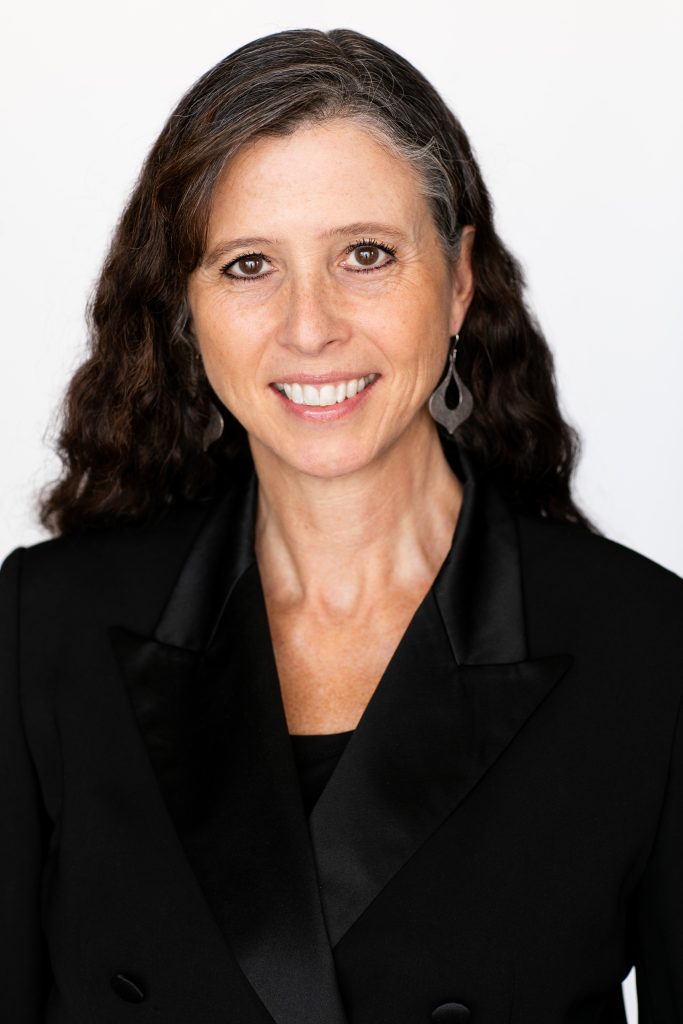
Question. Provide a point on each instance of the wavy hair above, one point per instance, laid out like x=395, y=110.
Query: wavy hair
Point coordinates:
x=136, y=411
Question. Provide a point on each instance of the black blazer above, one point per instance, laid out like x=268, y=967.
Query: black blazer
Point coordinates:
x=500, y=842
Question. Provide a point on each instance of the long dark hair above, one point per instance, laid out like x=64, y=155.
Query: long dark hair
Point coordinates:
x=136, y=410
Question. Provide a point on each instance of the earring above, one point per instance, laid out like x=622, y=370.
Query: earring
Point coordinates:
x=214, y=428
x=451, y=419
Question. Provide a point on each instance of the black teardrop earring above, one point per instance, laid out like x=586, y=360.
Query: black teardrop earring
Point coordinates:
x=451, y=419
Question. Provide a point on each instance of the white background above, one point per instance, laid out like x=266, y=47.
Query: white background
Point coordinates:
x=573, y=110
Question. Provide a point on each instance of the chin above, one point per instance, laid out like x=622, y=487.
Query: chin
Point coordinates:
x=325, y=461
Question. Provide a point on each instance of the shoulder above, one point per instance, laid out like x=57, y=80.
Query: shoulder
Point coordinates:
x=596, y=583
x=583, y=554
x=97, y=570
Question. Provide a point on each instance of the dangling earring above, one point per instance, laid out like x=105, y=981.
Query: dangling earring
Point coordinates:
x=214, y=428
x=451, y=419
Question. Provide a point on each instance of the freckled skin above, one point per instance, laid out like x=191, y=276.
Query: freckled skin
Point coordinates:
x=355, y=515
x=311, y=312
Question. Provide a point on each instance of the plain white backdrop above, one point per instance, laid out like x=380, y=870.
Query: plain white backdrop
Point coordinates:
x=573, y=110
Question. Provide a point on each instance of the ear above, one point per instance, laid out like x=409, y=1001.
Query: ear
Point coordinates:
x=462, y=280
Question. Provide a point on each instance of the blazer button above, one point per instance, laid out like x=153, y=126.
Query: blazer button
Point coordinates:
x=451, y=1013
x=128, y=988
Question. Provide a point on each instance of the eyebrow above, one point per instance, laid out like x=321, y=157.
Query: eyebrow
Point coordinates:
x=357, y=228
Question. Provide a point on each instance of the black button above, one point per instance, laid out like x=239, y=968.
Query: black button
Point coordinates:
x=128, y=988
x=451, y=1013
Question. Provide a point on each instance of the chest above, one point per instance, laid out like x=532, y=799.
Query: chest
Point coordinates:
x=329, y=670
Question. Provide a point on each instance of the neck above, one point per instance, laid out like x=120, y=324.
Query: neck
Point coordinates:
x=335, y=544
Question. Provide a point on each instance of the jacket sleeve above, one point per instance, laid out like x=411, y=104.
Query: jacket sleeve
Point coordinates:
x=23, y=961
x=659, y=906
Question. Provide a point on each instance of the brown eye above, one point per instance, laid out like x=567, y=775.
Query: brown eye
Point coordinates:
x=246, y=268
x=250, y=265
x=367, y=255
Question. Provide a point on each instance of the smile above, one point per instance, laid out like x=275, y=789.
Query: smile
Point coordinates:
x=327, y=394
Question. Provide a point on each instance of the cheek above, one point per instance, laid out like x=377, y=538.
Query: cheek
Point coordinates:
x=420, y=314
x=420, y=340
x=218, y=346
x=222, y=371
x=228, y=377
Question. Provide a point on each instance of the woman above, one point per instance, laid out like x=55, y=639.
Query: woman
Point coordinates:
x=328, y=704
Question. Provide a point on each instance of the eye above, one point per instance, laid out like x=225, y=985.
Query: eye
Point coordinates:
x=246, y=267
x=368, y=255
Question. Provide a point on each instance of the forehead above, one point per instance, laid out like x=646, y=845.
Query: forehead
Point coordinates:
x=317, y=176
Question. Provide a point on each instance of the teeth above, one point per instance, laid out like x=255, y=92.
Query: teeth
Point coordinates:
x=311, y=395
x=328, y=394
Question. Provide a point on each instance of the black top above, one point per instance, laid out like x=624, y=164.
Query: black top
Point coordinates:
x=316, y=757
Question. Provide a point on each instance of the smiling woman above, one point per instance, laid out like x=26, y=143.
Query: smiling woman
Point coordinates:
x=326, y=703
x=317, y=307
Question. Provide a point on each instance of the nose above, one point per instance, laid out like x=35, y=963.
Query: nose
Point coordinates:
x=313, y=317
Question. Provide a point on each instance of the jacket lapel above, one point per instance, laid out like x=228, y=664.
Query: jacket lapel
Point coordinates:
x=430, y=733
x=459, y=688
x=206, y=696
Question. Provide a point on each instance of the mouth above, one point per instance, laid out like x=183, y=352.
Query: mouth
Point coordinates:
x=331, y=393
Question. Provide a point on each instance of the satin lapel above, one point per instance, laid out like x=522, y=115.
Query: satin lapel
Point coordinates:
x=206, y=696
x=205, y=692
x=457, y=691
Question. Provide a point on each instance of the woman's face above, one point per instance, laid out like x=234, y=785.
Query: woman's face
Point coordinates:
x=323, y=305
